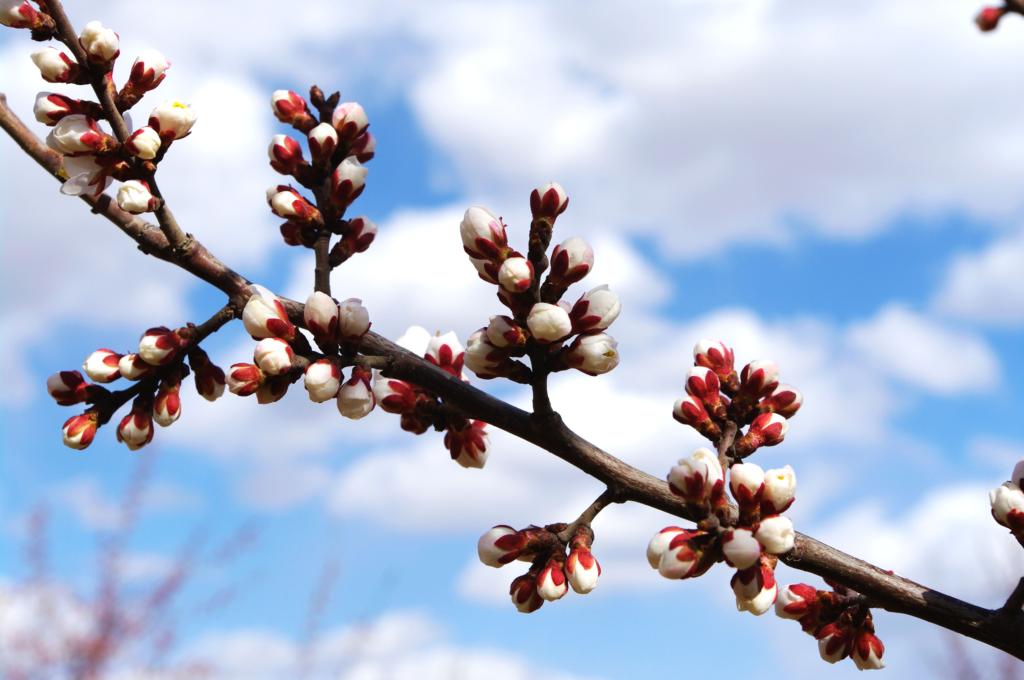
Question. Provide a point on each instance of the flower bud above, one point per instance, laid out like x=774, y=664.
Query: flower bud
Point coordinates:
x=350, y=120
x=755, y=589
x=79, y=431
x=551, y=582
x=99, y=42
x=833, y=642
x=158, y=346
x=690, y=411
x=274, y=356
x=499, y=546
x=323, y=140
x=133, y=367
x=289, y=107
x=394, y=396
x=714, y=354
x=483, y=358
x=593, y=354
x=86, y=175
x=265, y=317
x=684, y=557
x=50, y=107
x=548, y=201
x=209, y=378
x=659, y=544
x=321, y=315
x=445, y=352
x=322, y=380
x=759, y=378
x=167, y=404
x=285, y=155
x=746, y=481
x=134, y=197
x=796, y=601
x=571, y=260
x=364, y=147
x=867, y=651
x=595, y=310
x=361, y=233
x=786, y=400
x=583, y=570
x=779, y=490
x=768, y=429
x=356, y=398
x=485, y=269
x=697, y=478
x=55, y=66
x=148, y=71
x=244, y=379
x=272, y=389
x=172, y=120
x=1007, y=504
x=483, y=235
x=289, y=204
x=502, y=331
x=468, y=446
x=67, y=387
x=144, y=143
x=102, y=366
x=1017, y=477
x=776, y=534
x=353, y=320
x=524, y=594
x=740, y=548
x=19, y=14
x=136, y=429
x=548, y=323
x=78, y=134
x=703, y=383
x=516, y=274
x=989, y=17
x=347, y=181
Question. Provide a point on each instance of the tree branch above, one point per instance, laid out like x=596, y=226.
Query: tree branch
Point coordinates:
x=892, y=592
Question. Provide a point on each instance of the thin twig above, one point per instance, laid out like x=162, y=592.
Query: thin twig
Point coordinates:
x=586, y=517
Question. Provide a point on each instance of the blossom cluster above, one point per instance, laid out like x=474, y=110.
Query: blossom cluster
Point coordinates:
x=540, y=324
x=157, y=368
x=552, y=572
x=1007, y=503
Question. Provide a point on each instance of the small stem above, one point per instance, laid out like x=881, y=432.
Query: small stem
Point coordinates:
x=539, y=382
x=1015, y=602
x=587, y=516
x=725, y=443
x=178, y=239
x=214, y=323
x=322, y=272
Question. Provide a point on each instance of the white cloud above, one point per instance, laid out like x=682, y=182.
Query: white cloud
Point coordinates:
x=95, y=509
x=987, y=286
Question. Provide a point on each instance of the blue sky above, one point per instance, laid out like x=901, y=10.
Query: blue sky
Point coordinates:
x=832, y=186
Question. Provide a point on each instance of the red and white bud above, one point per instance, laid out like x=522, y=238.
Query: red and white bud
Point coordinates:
x=755, y=589
x=698, y=477
x=67, y=387
x=209, y=378
x=350, y=120
x=133, y=367
x=172, y=119
x=144, y=143
x=759, y=378
x=446, y=352
x=356, y=398
x=353, y=320
x=659, y=544
x=746, y=481
x=1017, y=477
x=265, y=317
x=485, y=269
x=99, y=42
x=716, y=355
x=394, y=396
x=167, y=404
x=548, y=323
x=571, y=260
x=364, y=148
x=776, y=534
x=274, y=356
x=468, y=446
x=768, y=429
x=289, y=107
x=321, y=315
x=499, y=546
x=322, y=380
x=134, y=197
x=740, y=548
x=102, y=366
x=483, y=235
x=796, y=601
x=285, y=154
x=158, y=346
x=779, y=490
x=481, y=356
x=347, y=181
x=989, y=17
x=786, y=400
x=77, y=134
x=583, y=570
x=289, y=204
x=703, y=383
x=136, y=429
x=244, y=379
x=55, y=66
x=516, y=274
x=272, y=389
x=690, y=411
x=524, y=594
x=503, y=331
x=361, y=233
x=593, y=354
x=85, y=175
x=548, y=201
x=867, y=651
x=682, y=558
x=833, y=642
x=1007, y=503
x=50, y=107
x=148, y=71
x=323, y=140
x=596, y=310
x=79, y=431
x=551, y=582
x=19, y=14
